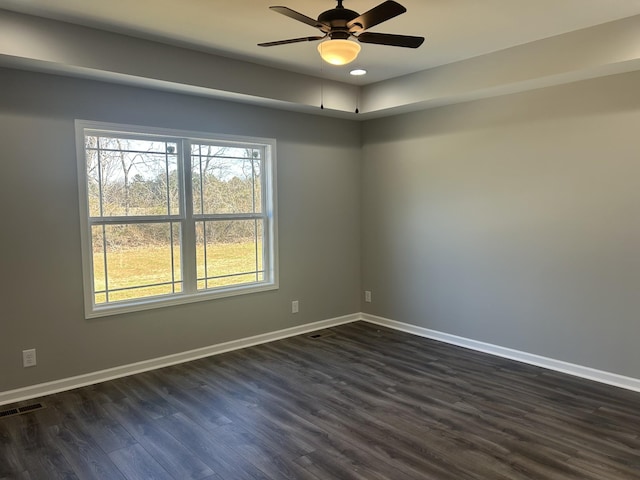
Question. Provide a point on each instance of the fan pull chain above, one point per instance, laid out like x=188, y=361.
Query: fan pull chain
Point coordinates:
x=321, y=86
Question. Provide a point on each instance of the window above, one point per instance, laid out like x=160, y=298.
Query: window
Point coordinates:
x=171, y=217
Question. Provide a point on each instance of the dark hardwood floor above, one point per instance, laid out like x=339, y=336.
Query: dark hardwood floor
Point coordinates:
x=362, y=402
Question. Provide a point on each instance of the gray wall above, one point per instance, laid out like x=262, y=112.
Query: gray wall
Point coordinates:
x=41, y=297
x=512, y=220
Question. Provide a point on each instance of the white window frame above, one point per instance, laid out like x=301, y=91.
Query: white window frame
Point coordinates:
x=186, y=217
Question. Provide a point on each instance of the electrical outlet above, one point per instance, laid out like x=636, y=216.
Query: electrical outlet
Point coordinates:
x=294, y=306
x=29, y=358
x=367, y=296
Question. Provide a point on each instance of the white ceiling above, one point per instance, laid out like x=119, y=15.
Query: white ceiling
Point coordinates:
x=454, y=29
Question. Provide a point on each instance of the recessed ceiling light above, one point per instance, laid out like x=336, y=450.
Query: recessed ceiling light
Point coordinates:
x=358, y=71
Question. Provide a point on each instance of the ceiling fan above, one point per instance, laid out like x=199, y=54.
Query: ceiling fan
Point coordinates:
x=339, y=24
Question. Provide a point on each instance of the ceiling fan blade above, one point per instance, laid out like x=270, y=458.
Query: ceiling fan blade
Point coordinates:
x=376, y=15
x=286, y=11
x=293, y=40
x=389, y=39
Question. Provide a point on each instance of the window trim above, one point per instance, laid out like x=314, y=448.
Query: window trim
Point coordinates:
x=270, y=261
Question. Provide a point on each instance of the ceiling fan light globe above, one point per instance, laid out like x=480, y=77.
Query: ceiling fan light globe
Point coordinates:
x=339, y=52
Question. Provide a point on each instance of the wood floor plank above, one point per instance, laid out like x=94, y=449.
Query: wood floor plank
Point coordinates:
x=176, y=459
x=11, y=461
x=82, y=405
x=189, y=401
x=136, y=464
x=39, y=451
x=212, y=449
x=360, y=402
x=87, y=459
x=266, y=457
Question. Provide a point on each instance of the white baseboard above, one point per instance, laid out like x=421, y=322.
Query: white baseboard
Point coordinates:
x=70, y=383
x=608, y=378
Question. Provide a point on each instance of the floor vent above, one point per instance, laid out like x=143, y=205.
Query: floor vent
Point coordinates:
x=321, y=334
x=20, y=410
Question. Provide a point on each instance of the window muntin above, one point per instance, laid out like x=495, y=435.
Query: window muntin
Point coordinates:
x=172, y=217
x=222, y=259
x=131, y=177
x=238, y=169
x=126, y=269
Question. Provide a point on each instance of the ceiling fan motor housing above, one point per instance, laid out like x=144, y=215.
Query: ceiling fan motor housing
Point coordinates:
x=337, y=19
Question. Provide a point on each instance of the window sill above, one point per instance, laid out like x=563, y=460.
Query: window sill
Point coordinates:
x=118, y=308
